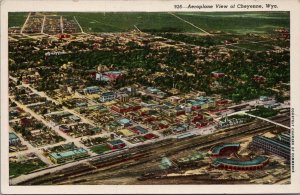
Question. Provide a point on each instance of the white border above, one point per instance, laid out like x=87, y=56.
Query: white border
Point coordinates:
x=143, y=6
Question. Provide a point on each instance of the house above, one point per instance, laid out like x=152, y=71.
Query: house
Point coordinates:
x=74, y=118
x=174, y=99
x=107, y=96
x=13, y=139
x=217, y=74
x=64, y=128
x=25, y=122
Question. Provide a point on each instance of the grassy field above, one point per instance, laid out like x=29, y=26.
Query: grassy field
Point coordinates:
x=16, y=169
x=234, y=22
x=100, y=149
x=264, y=112
x=238, y=22
x=16, y=18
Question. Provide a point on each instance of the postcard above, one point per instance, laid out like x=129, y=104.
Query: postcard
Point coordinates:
x=137, y=96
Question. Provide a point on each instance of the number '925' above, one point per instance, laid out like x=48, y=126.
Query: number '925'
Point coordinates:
x=177, y=6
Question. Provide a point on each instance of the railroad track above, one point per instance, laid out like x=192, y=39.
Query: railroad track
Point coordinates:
x=138, y=156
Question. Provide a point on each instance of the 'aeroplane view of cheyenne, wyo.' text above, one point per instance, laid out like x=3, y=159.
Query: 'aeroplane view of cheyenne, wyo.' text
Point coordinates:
x=102, y=98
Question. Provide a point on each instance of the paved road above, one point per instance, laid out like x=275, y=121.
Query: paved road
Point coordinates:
x=30, y=149
x=43, y=24
x=24, y=25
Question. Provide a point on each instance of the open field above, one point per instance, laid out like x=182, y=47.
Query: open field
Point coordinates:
x=17, y=169
x=16, y=19
x=100, y=149
x=236, y=23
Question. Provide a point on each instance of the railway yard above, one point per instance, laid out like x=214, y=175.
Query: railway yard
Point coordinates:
x=142, y=164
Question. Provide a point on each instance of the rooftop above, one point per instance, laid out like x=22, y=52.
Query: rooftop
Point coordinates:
x=273, y=141
x=140, y=129
x=216, y=149
x=256, y=161
x=66, y=154
x=12, y=136
x=126, y=132
x=108, y=93
x=116, y=142
x=124, y=121
x=93, y=88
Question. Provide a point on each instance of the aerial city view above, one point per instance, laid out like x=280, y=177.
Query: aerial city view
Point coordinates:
x=144, y=98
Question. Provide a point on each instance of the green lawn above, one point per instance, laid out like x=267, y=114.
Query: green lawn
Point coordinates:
x=238, y=22
x=16, y=18
x=234, y=22
x=264, y=112
x=16, y=169
x=100, y=148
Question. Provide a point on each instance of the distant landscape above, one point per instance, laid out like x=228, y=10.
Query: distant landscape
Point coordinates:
x=236, y=22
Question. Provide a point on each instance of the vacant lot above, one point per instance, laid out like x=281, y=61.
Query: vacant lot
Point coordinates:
x=100, y=149
x=20, y=168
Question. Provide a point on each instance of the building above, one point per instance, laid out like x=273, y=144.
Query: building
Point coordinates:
x=150, y=136
x=126, y=132
x=123, y=97
x=139, y=130
x=285, y=138
x=156, y=92
x=61, y=157
x=75, y=118
x=217, y=74
x=25, y=122
x=174, y=99
x=107, y=96
x=91, y=90
x=235, y=164
x=259, y=78
x=108, y=76
x=116, y=144
x=272, y=145
x=95, y=130
x=202, y=102
x=129, y=90
x=13, y=139
x=263, y=98
x=126, y=107
x=64, y=128
x=124, y=122
x=180, y=128
x=224, y=149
